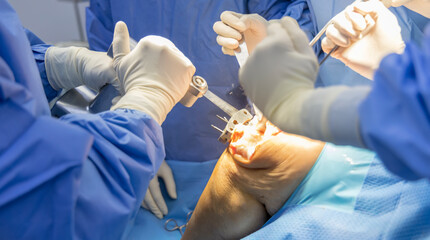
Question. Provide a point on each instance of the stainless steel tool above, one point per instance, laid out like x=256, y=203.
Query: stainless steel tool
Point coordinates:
x=236, y=116
x=198, y=88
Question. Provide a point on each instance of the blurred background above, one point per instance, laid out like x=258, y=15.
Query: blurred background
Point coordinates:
x=58, y=22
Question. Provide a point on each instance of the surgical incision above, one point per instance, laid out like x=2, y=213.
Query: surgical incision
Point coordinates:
x=247, y=137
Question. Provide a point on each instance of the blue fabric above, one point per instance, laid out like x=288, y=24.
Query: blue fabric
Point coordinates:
x=395, y=117
x=370, y=204
x=333, y=71
x=188, y=24
x=386, y=208
x=81, y=177
x=190, y=179
x=335, y=180
x=39, y=49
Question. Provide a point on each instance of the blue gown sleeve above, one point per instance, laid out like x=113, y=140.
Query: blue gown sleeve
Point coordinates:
x=395, y=117
x=39, y=49
x=40, y=164
x=127, y=151
x=81, y=177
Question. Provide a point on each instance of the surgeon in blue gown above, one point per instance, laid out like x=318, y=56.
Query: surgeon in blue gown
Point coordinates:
x=79, y=177
x=188, y=24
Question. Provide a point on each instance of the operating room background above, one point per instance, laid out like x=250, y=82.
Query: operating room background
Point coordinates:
x=54, y=21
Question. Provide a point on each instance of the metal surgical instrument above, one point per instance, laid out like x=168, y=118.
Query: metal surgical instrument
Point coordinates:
x=198, y=88
x=236, y=116
x=174, y=226
x=318, y=37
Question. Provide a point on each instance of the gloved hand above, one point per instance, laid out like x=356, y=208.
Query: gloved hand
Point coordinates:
x=71, y=67
x=155, y=75
x=280, y=74
x=233, y=25
x=365, y=33
x=420, y=6
x=154, y=200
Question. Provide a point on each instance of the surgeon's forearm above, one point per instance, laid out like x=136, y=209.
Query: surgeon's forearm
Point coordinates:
x=331, y=114
x=224, y=210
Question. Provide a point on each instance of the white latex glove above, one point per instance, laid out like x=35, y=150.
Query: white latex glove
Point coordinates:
x=233, y=25
x=155, y=75
x=154, y=200
x=365, y=33
x=420, y=6
x=71, y=67
x=280, y=74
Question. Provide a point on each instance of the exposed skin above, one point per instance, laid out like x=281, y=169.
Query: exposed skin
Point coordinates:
x=242, y=194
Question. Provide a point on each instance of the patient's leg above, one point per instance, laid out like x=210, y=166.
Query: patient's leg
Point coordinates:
x=224, y=210
x=243, y=193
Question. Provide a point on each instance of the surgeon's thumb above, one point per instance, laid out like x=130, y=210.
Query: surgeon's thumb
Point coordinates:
x=121, y=42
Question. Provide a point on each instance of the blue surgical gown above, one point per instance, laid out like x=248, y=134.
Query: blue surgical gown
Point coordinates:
x=188, y=24
x=395, y=117
x=79, y=177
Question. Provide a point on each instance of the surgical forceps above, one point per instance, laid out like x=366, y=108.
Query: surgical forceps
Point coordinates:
x=175, y=226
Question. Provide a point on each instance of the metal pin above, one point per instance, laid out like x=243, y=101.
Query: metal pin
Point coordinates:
x=216, y=128
x=328, y=54
x=222, y=118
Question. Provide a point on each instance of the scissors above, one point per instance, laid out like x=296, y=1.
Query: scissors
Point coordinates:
x=171, y=224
